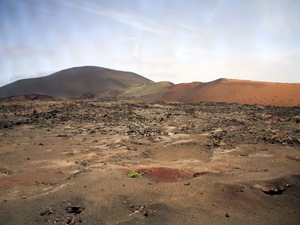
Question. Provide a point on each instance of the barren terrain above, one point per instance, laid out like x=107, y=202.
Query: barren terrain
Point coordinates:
x=98, y=83
x=234, y=91
x=67, y=162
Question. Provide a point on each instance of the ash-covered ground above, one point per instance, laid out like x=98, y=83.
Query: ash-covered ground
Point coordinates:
x=67, y=162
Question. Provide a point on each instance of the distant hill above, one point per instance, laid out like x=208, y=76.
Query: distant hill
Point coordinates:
x=87, y=81
x=234, y=91
x=76, y=81
x=146, y=89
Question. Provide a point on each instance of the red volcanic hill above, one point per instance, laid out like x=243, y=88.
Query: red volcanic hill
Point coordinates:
x=234, y=91
x=102, y=82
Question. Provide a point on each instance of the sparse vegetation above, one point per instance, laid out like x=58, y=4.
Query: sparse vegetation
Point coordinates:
x=42, y=122
x=250, y=124
x=134, y=174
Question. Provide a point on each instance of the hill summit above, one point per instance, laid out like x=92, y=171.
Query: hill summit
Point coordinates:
x=76, y=81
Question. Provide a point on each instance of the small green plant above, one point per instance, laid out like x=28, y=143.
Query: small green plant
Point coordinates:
x=261, y=121
x=42, y=122
x=48, y=121
x=250, y=124
x=134, y=174
x=78, y=143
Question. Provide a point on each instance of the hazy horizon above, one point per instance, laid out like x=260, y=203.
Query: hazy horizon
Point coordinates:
x=177, y=41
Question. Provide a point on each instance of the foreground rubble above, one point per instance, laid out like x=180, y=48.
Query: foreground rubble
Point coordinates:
x=67, y=162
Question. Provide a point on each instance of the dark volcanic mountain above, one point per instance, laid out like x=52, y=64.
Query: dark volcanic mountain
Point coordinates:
x=76, y=81
x=84, y=82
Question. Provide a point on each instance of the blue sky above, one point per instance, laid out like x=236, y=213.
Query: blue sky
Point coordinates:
x=174, y=40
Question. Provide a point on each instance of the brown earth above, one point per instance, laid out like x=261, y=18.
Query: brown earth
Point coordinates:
x=234, y=91
x=67, y=162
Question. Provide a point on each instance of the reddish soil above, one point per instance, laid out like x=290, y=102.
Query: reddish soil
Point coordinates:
x=10, y=181
x=235, y=91
x=163, y=174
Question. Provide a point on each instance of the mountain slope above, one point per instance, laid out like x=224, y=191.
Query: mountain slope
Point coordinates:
x=146, y=89
x=235, y=91
x=76, y=81
x=102, y=82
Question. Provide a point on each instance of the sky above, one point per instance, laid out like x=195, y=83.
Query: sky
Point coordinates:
x=162, y=40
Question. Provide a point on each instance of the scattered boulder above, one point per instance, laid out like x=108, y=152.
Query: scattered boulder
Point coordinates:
x=74, y=209
x=87, y=95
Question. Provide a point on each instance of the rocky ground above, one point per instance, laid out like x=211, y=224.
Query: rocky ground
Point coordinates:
x=126, y=162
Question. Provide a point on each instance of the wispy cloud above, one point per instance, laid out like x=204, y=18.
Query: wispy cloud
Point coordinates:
x=187, y=27
x=22, y=51
x=9, y=50
x=215, y=10
x=135, y=21
x=282, y=19
x=200, y=51
x=283, y=57
x=127, y=38
x=135, y=42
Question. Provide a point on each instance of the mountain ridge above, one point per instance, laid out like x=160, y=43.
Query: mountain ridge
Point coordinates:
x=104, y=82
x=74, y=82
